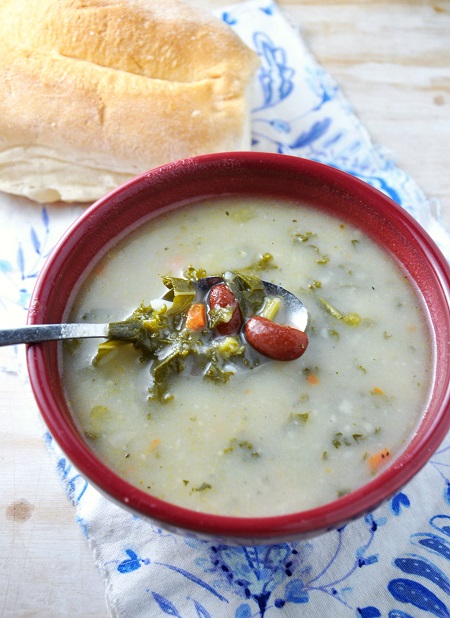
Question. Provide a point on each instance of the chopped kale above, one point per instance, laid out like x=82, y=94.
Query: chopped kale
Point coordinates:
x=351, y=319
x=249, y=292
x=202, y=487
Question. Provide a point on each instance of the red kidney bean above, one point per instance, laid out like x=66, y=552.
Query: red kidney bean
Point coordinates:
x=276, y=341
x=221, y=296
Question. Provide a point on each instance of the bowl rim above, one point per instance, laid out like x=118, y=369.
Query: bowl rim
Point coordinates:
x=259, y=529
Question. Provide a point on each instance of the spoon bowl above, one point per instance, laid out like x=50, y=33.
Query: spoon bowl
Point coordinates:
x=294, y=311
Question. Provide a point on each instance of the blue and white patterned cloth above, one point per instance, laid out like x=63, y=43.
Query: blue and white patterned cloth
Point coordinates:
x=392, y=563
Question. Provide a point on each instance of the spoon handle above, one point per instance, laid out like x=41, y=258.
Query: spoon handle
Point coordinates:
x=50, y=332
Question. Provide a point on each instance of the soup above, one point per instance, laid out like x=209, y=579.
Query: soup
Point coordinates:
x=277, y=438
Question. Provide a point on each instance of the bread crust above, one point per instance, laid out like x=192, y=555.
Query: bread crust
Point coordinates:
x=105, y=89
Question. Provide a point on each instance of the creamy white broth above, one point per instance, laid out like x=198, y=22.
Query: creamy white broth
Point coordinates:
x=280, y=438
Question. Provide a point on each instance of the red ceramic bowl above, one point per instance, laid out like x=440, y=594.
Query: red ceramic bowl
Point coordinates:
x=247, y=174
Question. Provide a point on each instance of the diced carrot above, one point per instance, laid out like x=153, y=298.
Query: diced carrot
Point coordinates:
x=312, y=379
x=153, y=445
x=196, y=317
x=377, y=391
x=379, y=459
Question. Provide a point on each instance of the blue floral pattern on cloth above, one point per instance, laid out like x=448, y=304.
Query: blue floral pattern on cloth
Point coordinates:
x=393, y=562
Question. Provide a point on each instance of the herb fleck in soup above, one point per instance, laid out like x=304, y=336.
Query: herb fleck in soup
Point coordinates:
x=282, y=437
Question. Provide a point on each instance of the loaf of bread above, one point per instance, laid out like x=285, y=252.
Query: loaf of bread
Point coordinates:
x=93, y=92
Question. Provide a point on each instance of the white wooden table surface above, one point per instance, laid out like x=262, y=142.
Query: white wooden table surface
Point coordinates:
x=392, y=59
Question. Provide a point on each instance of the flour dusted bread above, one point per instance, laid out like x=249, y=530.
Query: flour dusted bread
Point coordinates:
x=93, y=92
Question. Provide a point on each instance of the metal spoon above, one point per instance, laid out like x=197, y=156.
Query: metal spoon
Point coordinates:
x=296, y=315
